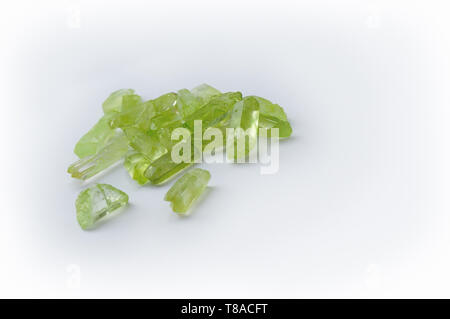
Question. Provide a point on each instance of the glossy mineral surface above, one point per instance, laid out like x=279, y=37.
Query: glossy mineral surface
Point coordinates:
x=91, y=165
x=187, y=189
x=98, y=201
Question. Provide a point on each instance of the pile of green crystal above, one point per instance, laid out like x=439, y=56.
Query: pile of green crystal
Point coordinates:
x=140, y=132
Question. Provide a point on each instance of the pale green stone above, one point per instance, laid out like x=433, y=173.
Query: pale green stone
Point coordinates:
x=96, y=202
x=146, y=143
x=245, y=116
x=163, y=169
x=97, y=137
x=91, y=165
x=187, y=189
x=114, y=101
x=136, y=164
x=205, y=92
x=273, y=116
x=138, y=115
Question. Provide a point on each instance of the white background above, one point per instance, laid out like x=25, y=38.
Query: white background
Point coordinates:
x=359, y=207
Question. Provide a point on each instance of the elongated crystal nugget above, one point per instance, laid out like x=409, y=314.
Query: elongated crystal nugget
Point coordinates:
x=164, y=168
x=273, y=116
x=94, y=164
x=98, y=201
x=187, y=189
x=245, y=117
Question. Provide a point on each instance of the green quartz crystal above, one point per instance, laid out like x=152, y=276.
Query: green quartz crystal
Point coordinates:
x=187, y=189
x=136, y=164
x=146, y=143
x=97, y=137
x=163, y=169
x=91, y=165
x=170, y=118
x=273, y=116
x=96, y=202
x=114, y=102
x=137, y=114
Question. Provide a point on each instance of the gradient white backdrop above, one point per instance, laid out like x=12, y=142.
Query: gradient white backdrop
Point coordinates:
x=359, y=207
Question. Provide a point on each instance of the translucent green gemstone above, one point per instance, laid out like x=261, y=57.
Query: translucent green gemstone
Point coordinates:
x=163, y=169
x=245, y=115
x=114, y=102
x=96, y=202
x=205, y=92
x=91, y=165
x=136, y=164
x=97, y=137
x=169, y=118
x=187, y=189
x=146, y=143
x=216, y=112
x=273, y=116
x=138, y=115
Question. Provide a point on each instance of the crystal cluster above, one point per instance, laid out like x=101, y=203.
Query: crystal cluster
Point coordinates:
x=139, y=131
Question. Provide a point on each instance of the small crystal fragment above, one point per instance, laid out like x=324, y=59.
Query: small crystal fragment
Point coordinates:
x=98, y=201
x=187, y=189
x=114, y=102
x=105, y=157
x=95, y=139
x=273, y=116
x=136, y=164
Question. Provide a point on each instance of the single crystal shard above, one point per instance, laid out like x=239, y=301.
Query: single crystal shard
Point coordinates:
x=187, y=189
x=136, y=164
x=91, y=165
x=96, y=202
x=163, y=169
x=273, y=116
x=244, y=119
x=114, y=102
x=97, y=137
